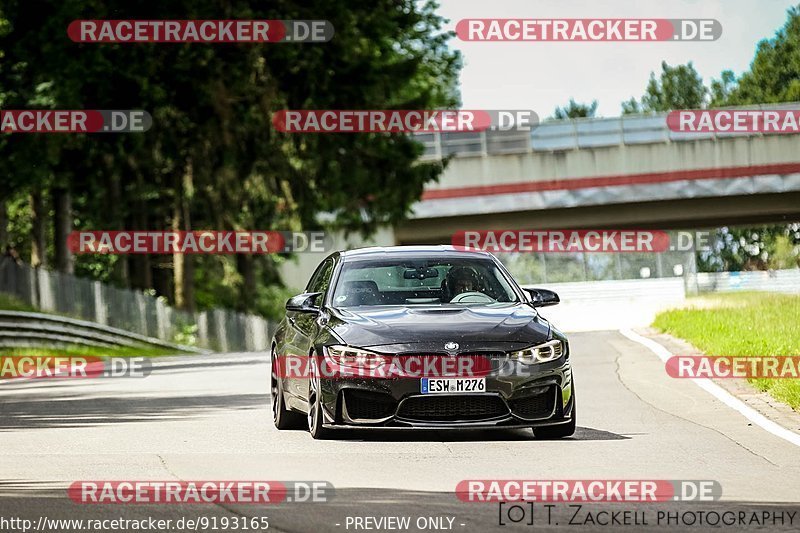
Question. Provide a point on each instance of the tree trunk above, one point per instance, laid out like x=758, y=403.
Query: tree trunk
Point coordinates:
x=38, y=250
x=183, y=266
x=62, y=226
x=3, y=225
x=121, y=273
x=245, y=264
x=161, y=276
x=141, y=264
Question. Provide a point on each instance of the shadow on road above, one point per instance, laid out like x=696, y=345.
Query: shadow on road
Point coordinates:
x=489, y=435
x=63, y=411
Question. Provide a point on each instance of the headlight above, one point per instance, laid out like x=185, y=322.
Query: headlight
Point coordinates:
x=542, y=353
x=353, y=357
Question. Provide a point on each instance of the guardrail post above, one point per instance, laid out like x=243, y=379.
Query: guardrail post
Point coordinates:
x=142, y=312
x=33, y=286
x=222, y=330
x=258, y=332
x=162, y=320
x=202, y=329
x=100, y=310
x=46, y=301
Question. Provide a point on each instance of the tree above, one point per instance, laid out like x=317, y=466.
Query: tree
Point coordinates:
x=679, y=87
x=760, y=248
x=774, y=74
x=575, y=110
x=773, y=77
x=212, y=159
x=722, y=88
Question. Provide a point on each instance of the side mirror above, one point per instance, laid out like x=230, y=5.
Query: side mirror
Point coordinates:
x=304, y=303
x=542, y=297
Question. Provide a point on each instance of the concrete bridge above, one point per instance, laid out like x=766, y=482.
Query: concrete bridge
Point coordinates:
x=629, y=171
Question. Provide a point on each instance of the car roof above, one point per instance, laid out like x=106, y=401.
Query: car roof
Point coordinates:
x=390, y=252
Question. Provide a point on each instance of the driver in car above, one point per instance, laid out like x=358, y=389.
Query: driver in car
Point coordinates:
x=461, y=279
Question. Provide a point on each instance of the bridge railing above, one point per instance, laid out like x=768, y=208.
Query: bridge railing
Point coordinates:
x=572, y=134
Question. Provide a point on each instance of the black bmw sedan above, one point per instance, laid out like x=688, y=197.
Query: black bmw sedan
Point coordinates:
x=422, y=337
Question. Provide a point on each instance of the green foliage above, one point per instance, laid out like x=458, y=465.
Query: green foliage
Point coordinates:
x=271, y=300
x=774, y=74
x=722, y=88
x=89, y=351
x=755, y=248
x=773, y=77
x=10, y=303
x=212, y=158
x=678, y=87
x=187, y=335
x=575, y=110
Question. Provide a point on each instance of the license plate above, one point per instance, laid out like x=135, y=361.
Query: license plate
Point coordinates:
x=442, y=385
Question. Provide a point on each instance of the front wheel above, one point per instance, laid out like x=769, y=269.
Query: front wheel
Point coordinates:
x=315, y=417
x=282, y=417
x=560, y=431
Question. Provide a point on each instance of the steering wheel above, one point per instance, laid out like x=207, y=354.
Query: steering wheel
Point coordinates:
x=471, y=297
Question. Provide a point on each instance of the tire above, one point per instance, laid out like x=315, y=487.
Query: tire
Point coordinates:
x=560, y=431
x=315, y=418
x=282, y=417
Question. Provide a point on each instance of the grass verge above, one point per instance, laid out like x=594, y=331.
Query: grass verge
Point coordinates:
x=743, y=324
x=10, y=303
x=73, y=351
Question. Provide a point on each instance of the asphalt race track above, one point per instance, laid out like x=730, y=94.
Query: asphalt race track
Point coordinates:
x=208, y=418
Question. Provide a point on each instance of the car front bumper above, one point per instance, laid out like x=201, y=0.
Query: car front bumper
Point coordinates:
x=541, y=398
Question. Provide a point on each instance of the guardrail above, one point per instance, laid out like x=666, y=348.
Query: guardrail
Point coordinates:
x=786, y=281
x=656, y=289
x=571, y=134
x=26, y=329
x=130, y=310
x=675, y=288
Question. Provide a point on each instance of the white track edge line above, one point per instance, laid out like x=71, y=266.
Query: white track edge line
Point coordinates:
x=719, y=393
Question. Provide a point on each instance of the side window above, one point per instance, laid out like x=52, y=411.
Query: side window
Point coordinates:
x=321, y=279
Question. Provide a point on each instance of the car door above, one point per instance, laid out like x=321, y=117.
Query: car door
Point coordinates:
x=303, y=328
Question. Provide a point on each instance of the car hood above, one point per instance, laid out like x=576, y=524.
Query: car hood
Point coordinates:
x=414, y=328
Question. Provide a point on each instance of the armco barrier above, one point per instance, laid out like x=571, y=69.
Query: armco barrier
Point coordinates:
x=786, y=281
x=24, y=329
x=130, y=310
x=656, y=289
x=676, y=288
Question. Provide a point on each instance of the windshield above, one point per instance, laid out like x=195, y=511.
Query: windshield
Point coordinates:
x=469, y=281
